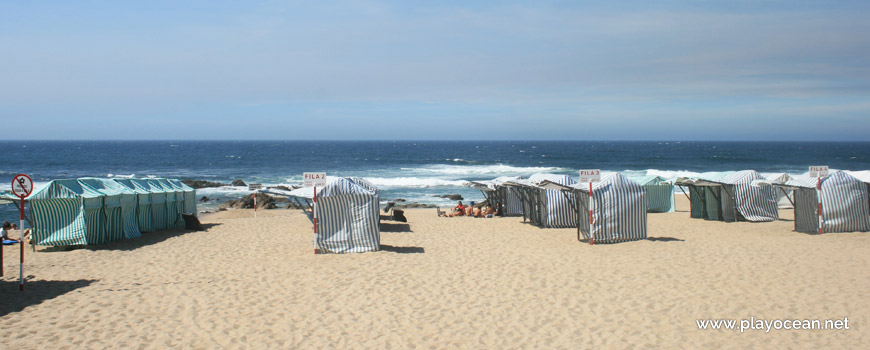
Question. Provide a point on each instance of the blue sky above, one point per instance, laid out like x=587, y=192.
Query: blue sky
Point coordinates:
x=573, y=70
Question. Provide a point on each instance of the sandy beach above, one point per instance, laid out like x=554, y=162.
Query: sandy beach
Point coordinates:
x=440, y=283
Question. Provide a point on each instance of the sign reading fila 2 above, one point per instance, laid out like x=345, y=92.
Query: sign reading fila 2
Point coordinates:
x=314, y=179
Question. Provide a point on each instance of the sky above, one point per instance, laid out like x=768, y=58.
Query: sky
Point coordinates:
x=435, y=70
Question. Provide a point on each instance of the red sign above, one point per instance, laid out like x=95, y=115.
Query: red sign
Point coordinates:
x=22, y=185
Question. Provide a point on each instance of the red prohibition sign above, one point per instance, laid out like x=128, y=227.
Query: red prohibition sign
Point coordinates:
x=22, y=185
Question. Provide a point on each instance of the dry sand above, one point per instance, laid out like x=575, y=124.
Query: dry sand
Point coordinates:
x=440, y=283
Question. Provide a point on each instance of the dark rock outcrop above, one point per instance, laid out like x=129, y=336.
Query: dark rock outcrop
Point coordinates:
x=196, y=184
x=239, y=182
x=264, y=201
x=453, y=197
x=204, y=199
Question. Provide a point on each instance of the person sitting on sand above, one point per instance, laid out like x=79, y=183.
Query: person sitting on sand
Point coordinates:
x=458, y=210
x=4, y=232
x=477, y=212
x=489, y=212
x=469, y=210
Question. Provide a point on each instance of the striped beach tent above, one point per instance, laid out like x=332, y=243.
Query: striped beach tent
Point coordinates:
x=659, y=193
x=143, y=198
x=158, y=203
x=189, y=194
x=497, y=193
x=347, y=215
x=731, y=196
x=66, y=213
x=844, y=203
x=546, y=208
x=174, y=203
x=619, y=208
x=119, y=207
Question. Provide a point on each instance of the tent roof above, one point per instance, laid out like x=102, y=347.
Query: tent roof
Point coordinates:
x=606, y=180
x=863, y=175
x=649, y=180
x=105, y=186
x=336, y=187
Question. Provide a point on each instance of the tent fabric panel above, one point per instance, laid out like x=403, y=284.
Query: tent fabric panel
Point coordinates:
x=696, y=202
x=806, y=210
x=757, y=203
x=58, y=222
x=660, y=198
x=712, y=202
x=559, y=213
x=348, y=223
x=620, y=211
x=728, y=203
x=843, y=204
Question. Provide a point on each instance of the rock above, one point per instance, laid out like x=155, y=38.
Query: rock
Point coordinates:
x=239, y=182
x=453, y=197
x=196, y=184
x=399, y=200
x=263, y=201
x=292, y=205
x=204, y=199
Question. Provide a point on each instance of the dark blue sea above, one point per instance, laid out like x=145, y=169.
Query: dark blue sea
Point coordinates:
x=414, y=171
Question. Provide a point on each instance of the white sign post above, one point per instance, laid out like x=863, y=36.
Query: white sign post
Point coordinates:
x=590, y=176
x=22, y=186
x=309, y=180
x=819, y=172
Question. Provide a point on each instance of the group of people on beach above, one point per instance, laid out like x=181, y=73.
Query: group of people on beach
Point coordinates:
x=471, y=210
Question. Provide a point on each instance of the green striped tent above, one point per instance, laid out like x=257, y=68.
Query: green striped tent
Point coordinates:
x=158, y=203
x=143, y=198
x=659, y=193
x=122, y=214
x=174, y=204
x=66, y=213
x=114, y=224
x=189, y=206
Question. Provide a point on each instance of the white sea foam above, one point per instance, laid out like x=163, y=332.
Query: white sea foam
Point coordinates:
x=413, y=182
x=478, y=170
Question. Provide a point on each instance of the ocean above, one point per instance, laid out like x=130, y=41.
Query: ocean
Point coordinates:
x=416, y=171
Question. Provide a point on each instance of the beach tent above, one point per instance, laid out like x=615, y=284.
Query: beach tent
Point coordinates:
x=143, y=198
x=174, y=203
x=158, y=203
x=347, y=215
x=496, y=192
x=619, y=208
x=864, y=176
x=784, y=196
x=546, y=208
x=120, y=207
x=844, y=203
x=659, y=193
x=66, y=213
x=731, y=196
x=189, y=194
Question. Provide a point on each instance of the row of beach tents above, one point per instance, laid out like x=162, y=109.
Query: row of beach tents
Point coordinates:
x=614, y=209
x=88, y=211
x=611, y=210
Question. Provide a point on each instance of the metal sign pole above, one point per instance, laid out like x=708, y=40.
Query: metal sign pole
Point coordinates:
x=315, y=219
x=21, y=245
x=591, y=227
x=821, y=218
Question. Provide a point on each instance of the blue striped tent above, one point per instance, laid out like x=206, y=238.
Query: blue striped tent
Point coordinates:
x=120, y=207
x=844, y=203
x=659, y=193
x=66, y=213
x=143, y=198
x=174, y=203
x=731, y=196
x=619, y=208
x=347, y=215
x=497, y=193
x=546, y=208
x=189, y=194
